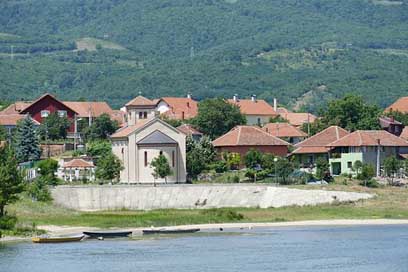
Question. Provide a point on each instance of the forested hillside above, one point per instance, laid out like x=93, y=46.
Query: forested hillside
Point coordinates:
x=302, y=52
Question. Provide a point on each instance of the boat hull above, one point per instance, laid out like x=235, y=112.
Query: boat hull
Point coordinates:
x=44, y=240
x=167, y=231
x=116, y=234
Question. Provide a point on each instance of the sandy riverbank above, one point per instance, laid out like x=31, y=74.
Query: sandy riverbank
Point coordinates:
x=67, y=230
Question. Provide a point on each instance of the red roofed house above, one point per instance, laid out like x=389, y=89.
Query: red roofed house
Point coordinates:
x=241, y=139
x=77, y=169
x=401, y=105
x=367, y=146
x=391, y=125
x=308, y=151
x=9, y=121
x=297, y=119
x=143, y=139
x=190, y=131
x=257, y=111
x=286, y=132
x=181, y=108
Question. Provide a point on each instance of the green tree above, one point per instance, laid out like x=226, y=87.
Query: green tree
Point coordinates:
x=352, y=113
x=199, y=155
x=48, y=168
x=98, y=148
x=3, y=133
x=253, y=158
x=216, y=117
x=278, y=119
x=54, y=127
x=357, y=166
x=26, y=142
x=284, y=168
x=268, y=161
x=171, y=122
x=11, y=180
x=101, y=128
x=322, y=169
x=108, y=167
x=391, y=167
x=38, y=189
x=161, y=167
x=367, y=173
x=399, y=116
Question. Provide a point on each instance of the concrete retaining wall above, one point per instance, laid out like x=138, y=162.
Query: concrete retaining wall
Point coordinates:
x=94, y=198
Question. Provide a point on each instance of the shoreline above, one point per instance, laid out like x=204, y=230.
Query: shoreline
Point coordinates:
x=67, y=230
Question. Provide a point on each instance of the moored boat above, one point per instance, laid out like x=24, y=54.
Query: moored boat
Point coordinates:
x=46, y=239
x=107, y=234
x=169, y=231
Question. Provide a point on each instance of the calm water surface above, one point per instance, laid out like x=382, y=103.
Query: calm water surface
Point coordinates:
x=375, y=248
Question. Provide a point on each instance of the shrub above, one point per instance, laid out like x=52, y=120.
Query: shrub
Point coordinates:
x=371, y=183
x=223, y=214
x=235, y=179
x=38, y=189
x=7, y=222
x=220, y=166
x=253, y=158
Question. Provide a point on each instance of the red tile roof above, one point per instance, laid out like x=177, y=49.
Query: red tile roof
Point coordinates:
x=189, y=130
x=16, y=107
x=118, y=115
x=369, y=138
x=283, y=130
x=12, y=119
x=248, y=136
x=257, y=107
x=181, y=107
x=318, y=142
x=84, y=109
x=78, y=163
x=298, y=118
x=141, y=102
x=404, y=134
x=400, y=105
x=126, y=131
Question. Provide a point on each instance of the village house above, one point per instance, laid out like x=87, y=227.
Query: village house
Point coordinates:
x=190, y=131
x=9, y=121
x=76, y=169
x=257, y=111
x=286, y=132
x=307, y=152
x=401, y=105
x=143, y=139
x=367, y=146
x=180, y=108
x=241, y=139
x=391, y=125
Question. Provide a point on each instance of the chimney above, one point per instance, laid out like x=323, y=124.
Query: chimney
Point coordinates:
x=235, y=97
x=188, y=104
x=189, y=95
x=275, y=104
x=253, y=98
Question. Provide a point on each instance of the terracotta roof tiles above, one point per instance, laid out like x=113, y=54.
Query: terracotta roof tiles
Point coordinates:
x=369, y=138
x=84, y=109
x=127, y=130
x=283, y=130
x=141, y=102
x=78, y=163
x=298, y=118
x=181, y=107
x=257, y=107
x=248, y=136
x=189, y=130
x=400, y=105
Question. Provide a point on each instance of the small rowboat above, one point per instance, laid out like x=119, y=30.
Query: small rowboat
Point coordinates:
x=107, y=234
x=169, y=231
x=45, y=239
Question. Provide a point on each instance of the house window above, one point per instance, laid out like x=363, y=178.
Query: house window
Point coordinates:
x=45, y=113
x=62, y=113
x=173, y=157
x=161, y=152
x=145, y=115
x=349, y=164
x=140, y=115
x=259, y=121
x=145, y=158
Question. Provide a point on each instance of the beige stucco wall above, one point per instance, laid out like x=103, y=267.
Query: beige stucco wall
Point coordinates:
x=253, y=119
x=134, y=171
x=133, y=114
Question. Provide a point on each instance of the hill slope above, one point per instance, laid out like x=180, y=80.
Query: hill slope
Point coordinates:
x=301, y=52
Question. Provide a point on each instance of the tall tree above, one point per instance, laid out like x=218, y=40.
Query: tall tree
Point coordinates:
x=199, y=155
x=161, y=167
x=216, y=117
x=352, y=113
x=108, y=167
x=54, y=127
x=11, y=180
x=26, y=143
x=101, y=128
x=3, y=133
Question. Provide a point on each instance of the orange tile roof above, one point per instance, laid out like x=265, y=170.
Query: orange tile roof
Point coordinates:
x=12, y=119
x=127, y=130
x=84, y=108
x=404, y=134
x=369, y=138
x=118, y=115
x=78, y=163
x=283, y=130
x=257, y=107
x=400, y=105
x=16, y=107
x=280, y=110
x=298, y=118
x=248, y=136
x=189, y=130
x=180, y=105
x=318, y=142
x=141, y=102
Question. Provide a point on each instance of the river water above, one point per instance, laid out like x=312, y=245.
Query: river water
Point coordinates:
x=357, y=248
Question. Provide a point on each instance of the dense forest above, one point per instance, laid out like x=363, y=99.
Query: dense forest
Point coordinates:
x=302, y=52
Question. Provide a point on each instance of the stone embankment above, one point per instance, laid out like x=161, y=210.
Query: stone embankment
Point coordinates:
x=95, y=198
